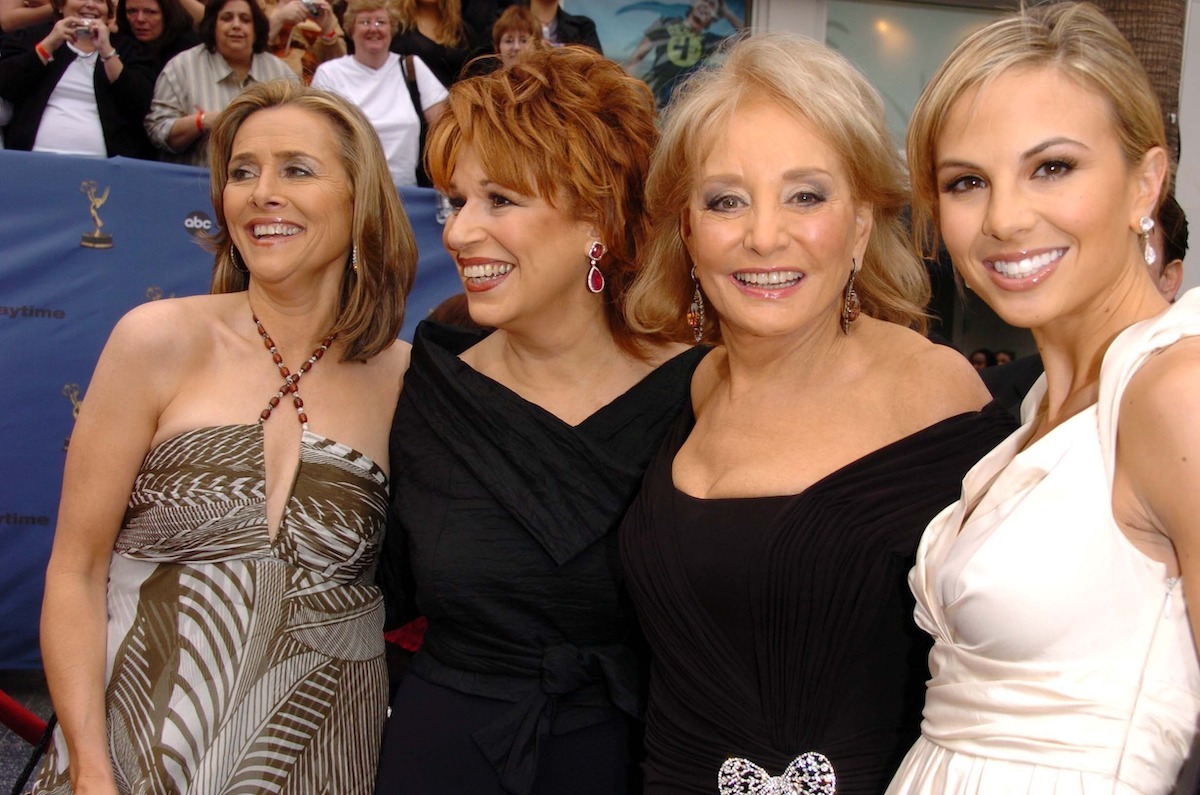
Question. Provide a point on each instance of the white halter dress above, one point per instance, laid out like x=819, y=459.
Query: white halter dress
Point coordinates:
x=1063, y=660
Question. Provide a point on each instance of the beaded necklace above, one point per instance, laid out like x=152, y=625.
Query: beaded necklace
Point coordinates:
x=291, y=383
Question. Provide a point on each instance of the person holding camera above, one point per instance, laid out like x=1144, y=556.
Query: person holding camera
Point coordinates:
x=196, y=85
x=305, y=33
x=75, y=88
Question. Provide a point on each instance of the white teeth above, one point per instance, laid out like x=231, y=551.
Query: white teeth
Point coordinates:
x=1027, y=266
x=492, y=269
x=271, y=230
x=769, y=278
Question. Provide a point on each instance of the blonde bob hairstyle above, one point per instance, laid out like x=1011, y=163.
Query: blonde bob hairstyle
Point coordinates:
x=356, y=7
x=1074, y=38
x=568, y=125
x=823, y=90
x=370, y=308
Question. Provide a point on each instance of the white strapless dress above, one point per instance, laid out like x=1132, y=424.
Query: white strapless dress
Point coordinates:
x=1063, y=659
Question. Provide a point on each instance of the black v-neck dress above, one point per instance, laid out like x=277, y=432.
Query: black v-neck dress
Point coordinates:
x=504, y=517
x=782, y=625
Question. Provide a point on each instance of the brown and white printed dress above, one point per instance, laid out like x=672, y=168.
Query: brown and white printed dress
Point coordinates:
x=238, y=663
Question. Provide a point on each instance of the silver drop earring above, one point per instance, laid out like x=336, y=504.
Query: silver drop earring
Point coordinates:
x=1146, y=224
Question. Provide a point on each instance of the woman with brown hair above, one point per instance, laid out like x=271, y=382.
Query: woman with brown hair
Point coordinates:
x=768, y=551
x=435, y=32
x=163, y=27
x=210, y=621
x=197, y=84
x=518, y=450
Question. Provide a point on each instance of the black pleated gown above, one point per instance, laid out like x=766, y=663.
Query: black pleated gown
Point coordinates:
x=781, y=625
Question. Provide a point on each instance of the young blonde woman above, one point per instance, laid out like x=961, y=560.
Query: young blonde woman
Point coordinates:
x=1058, y=590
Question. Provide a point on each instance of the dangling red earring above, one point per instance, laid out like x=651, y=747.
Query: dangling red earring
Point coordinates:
x=595, y=279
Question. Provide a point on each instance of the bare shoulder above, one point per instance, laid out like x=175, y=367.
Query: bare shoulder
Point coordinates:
x=1163, y=396
x=931, y=380
x=665, y=352
x=1158, y=441
x=165, y=331
x=392, y=363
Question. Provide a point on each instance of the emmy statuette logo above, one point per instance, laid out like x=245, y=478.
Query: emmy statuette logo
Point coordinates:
x=95, y=238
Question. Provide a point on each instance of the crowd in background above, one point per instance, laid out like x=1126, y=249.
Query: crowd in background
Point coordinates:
x=149, y=78
x=696, y=505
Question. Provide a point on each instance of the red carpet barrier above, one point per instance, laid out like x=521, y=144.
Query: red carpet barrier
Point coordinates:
x=82, y=241
x=20, y=721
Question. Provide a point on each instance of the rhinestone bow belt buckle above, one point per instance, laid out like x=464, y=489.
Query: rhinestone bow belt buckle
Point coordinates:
x=809, y=774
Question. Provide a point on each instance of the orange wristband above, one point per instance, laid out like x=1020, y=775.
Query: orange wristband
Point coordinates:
x=200, y=121
x=43, y=53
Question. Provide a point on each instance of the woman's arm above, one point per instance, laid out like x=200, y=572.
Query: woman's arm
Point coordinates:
x=282, y=18
x=112, y=61
x=25, y=56
x=332, y=41
x=1158, y=460
x=133, y=89
x=17, y=14
x=195, y=9
x=174, y=123
x=112, y=435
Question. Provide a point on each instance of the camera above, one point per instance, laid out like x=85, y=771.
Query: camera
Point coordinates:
x=83, y=32
x=314, y=10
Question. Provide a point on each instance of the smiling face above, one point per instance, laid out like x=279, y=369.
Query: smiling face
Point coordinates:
x=235, y=31
x=288, y=201
x=511, y=45
x=1038, y=209
x=703, y=13
x=520, y=258
x=86, y=9
x=772, y=226
x=372, y=33
x=145, y=19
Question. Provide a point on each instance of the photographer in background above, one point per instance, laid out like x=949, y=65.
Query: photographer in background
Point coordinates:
x=304, y=33
x=76, y=88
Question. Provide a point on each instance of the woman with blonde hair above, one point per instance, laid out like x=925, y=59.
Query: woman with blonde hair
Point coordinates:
x=435, y=32
x=211, y=622
x=1057, y=588
x=767, y=552
x=520, y=448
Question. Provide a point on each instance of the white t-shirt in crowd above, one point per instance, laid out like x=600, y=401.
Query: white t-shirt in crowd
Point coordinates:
x=70, y=123
x=383, y=97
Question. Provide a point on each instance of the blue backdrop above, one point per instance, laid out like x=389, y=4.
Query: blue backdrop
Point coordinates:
x=59, y=298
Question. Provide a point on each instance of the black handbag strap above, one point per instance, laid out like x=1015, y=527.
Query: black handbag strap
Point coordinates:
x=35, y=757
x=410, y=79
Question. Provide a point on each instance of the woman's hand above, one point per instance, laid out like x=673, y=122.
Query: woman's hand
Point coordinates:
x=205, y=120
x=282, y=19
x=325, y=17
x=101, y=38
x=292, y=12
x=64, y=30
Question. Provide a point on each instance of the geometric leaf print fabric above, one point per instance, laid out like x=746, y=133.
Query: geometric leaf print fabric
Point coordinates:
x=238, y=663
